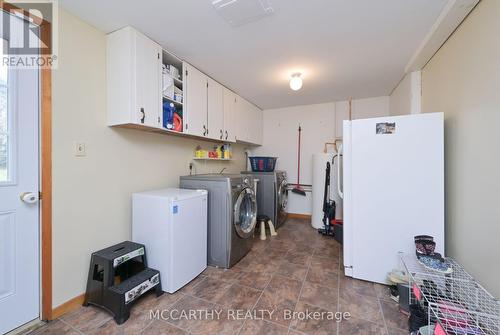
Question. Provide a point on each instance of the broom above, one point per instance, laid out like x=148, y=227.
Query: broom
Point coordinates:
x=297, y=189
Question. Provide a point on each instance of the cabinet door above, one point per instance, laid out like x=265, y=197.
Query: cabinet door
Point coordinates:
x=147, y=84
x=195, y=101
x=229, y=115
x=215, y=110
x=257, y=124
x=239, y=119
x=242, y=121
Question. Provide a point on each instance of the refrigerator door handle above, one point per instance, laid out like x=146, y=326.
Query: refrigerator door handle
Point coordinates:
x=341, y=194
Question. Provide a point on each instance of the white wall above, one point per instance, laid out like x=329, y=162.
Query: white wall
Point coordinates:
x=320, y=123
x=280, y=140
x=361, y=109
x=91, y=200
x=462, y=80
x=406, y=97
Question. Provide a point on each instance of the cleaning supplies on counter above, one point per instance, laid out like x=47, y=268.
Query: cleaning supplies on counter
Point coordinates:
x=226, y=151
x=218, y=152
x=200, y=153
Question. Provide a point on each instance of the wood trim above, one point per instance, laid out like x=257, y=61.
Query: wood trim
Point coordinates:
x=46, y=174
x=46, y=188
x=69, y=306
x=299, y=216
x=46, y=162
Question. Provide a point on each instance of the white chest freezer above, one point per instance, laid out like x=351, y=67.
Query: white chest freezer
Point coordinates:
x=172, y=224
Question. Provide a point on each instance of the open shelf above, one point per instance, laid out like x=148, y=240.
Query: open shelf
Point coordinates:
x=177, y=82
x=211, y=159
x=176, y=103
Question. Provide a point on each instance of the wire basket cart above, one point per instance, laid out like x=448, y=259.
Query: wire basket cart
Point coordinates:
x=456, y=303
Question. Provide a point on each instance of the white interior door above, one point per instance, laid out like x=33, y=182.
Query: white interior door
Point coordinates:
x=19, y=228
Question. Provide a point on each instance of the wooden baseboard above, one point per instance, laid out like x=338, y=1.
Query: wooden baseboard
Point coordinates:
x=68, y=306
x=299, y=216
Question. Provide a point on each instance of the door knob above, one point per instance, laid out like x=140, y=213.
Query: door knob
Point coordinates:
x=29, y=197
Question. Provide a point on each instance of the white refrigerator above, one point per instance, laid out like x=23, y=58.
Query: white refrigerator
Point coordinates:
x=393, y=189
x=172, y=224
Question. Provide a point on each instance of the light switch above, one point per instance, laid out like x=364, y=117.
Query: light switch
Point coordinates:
x=80, y=149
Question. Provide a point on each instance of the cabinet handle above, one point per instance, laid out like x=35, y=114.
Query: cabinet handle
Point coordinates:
x=205, y=130
x=143, y=115
x=226, y=134
x=221, y=134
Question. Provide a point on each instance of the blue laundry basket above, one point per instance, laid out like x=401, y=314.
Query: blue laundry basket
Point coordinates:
x=263, y=164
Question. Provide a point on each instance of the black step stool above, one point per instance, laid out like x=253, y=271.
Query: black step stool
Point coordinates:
x=118, y=275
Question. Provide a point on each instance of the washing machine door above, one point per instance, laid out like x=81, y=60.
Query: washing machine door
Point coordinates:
x=282, y=195
x=245, y=213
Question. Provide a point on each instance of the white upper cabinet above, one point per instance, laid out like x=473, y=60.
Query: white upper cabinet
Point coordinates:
x=215, y=93
x=249, y=122
x=204, y=105
x=196, y=101
x=133, y=79
x=229, y=115
x=135, y=93
x=148, y=80
x=241, y=120
x=256, y=122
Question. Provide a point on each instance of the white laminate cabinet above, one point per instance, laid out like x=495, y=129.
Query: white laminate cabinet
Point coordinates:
x=240, y=131
x=229, y=100
x=215, y=110
x=196, y=101
x=249, y=124
x=135, y=93
x=133, y=79
x=256, y=122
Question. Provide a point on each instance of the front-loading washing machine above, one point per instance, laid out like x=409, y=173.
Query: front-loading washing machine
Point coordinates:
x=232, y=215
x=272, y=195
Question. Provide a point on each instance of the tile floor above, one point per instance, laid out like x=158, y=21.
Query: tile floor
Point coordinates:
x=299, y=270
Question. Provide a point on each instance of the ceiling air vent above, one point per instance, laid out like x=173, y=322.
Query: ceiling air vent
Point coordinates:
x=240, y=12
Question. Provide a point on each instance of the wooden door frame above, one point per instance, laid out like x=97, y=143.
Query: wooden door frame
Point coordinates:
x=46, y=182
x=45, y=170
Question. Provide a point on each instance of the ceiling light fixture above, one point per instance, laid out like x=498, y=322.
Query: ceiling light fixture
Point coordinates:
x=296, y=81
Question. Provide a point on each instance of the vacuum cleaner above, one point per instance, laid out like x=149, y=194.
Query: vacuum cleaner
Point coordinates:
x=329, y=206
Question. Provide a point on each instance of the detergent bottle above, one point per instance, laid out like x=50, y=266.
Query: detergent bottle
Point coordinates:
x=168, y=115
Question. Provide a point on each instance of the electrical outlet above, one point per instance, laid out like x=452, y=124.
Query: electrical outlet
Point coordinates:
x=80, y=149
